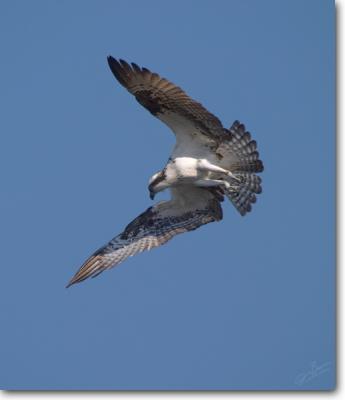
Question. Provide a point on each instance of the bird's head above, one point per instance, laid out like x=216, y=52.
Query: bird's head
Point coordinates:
x=157, y=183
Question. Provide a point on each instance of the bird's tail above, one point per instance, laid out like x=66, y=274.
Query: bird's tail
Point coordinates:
x=246, y=149
x=243, y=189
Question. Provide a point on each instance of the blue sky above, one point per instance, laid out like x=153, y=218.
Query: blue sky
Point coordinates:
x=247, y=303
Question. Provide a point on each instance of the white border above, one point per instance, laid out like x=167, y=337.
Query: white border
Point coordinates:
x=340, y=219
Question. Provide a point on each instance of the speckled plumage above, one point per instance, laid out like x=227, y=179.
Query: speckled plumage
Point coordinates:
x=154, y=227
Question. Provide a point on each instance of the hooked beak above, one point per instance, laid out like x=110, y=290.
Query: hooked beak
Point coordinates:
x=152, y=194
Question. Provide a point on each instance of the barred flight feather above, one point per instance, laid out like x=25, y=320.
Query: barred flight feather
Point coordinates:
x=165, y=100
x=150, y=229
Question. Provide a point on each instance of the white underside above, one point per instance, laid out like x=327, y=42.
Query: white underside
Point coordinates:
x=193, y=162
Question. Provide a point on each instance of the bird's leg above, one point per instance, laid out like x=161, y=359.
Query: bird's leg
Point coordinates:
x=205, y=165
x=212, y=182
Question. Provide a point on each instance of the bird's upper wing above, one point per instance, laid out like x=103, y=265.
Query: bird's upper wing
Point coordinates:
x=189, y=209
x=186, y=117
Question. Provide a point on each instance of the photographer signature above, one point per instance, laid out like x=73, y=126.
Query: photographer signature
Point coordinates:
x=313, y=372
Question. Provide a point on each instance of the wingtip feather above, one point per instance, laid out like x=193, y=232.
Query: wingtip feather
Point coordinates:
x=70, y=283
x=111, y=60
x=118, y=69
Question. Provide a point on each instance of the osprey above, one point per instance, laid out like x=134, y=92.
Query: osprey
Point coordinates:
x=208, y=162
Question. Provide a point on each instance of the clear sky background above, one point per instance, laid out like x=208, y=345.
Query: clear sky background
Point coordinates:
x=248, y=303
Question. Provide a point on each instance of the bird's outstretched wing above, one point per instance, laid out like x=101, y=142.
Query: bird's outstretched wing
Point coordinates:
x=186, y=117
x=188, y=210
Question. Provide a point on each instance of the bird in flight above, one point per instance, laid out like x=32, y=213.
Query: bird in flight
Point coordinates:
x=207, y=164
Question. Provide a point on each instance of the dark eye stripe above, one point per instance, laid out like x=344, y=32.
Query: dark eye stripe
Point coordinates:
x=159, y=178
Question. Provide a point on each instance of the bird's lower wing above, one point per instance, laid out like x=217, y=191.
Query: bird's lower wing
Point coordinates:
x=154, y=227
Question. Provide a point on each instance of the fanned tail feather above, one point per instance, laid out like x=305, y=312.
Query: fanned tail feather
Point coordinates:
x=242, y=193
x=245, y=148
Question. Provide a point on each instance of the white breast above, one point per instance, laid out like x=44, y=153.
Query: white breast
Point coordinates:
x=182, y=167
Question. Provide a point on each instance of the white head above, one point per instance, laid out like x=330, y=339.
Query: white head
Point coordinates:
x=157, y=183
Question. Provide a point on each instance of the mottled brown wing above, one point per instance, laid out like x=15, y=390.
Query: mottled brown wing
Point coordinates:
x=150, y=229
x=167, y=102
